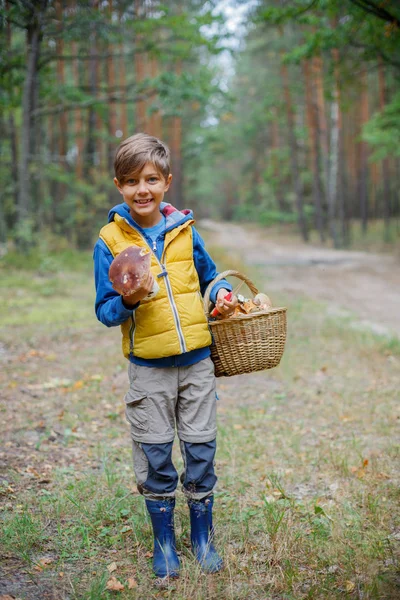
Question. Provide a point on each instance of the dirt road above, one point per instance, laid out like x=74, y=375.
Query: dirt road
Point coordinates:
x=362, y=285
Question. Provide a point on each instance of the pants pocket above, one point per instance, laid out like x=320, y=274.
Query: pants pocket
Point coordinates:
x=137, y=411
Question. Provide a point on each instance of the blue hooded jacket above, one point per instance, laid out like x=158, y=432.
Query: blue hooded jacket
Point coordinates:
x=109, y=306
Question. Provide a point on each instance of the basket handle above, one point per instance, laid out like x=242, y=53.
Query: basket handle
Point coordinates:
x=248, y=282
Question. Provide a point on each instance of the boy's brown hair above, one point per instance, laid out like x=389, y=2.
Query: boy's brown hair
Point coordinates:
x=134, y=152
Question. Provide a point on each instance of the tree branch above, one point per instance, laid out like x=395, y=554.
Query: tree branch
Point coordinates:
x=87, y=57
x=376, y=10
x=307, y=8
x=379, y=51
x=110, y=98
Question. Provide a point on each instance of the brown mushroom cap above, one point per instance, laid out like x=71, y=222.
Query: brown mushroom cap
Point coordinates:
x=129, y=269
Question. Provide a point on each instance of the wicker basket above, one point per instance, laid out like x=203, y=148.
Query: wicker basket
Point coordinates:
x=246, y=343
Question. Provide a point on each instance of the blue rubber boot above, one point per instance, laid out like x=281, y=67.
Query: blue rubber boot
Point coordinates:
x=202, y=534
x=165, y=558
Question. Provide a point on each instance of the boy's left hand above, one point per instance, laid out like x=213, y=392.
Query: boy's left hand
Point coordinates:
x=225, y=307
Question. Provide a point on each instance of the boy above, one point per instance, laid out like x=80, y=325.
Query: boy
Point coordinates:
x=166, y=340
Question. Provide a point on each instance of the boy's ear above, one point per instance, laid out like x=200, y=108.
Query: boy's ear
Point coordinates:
x=168, y=182
x=117, y=185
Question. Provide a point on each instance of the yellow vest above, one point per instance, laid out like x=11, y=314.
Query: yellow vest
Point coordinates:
x=173, y=321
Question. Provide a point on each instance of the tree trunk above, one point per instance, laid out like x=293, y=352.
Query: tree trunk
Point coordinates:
x=275, y=145
x=78, y=120
x=91, y=158
x=343, y=192
x=62, y=140
x=77, y=115
x=12, y=130
x=334, y=151
x=176, y=162
x=140, y=69
x=112, y=113
x=312, y=122
x=363, y=155
x=123, y=109
x=33, y=37
x=321, y=119
x=294, y=154
x=385, y=162
x=155, y=120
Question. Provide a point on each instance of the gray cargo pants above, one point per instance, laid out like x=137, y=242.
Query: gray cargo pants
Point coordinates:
x=159, y=402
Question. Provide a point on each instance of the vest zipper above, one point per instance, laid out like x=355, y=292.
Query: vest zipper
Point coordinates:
x=168, y=287
x=174, y=310
x=132, y=333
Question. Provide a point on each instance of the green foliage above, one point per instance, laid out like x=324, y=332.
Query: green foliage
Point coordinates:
x=92, y=41
x=236, y=150
x=382, y=132
x=263, y=216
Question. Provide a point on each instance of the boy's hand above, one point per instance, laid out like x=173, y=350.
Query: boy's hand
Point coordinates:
x=142, y=292
x=225, y=307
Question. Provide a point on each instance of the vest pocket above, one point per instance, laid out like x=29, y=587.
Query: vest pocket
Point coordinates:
x=136, y=411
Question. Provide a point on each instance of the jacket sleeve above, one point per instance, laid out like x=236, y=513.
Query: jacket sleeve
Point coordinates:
x=109, y=307
x=206, y=268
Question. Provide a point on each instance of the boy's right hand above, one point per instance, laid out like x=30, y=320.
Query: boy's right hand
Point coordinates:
x=141, y=293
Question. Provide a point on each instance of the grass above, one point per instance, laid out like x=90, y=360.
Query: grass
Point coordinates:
x=308, y=499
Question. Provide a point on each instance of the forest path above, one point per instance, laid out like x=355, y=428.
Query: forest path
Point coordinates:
x=363, y=285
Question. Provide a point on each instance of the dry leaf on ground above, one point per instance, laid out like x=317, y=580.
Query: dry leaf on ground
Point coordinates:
x=112, y=567
x=114, y=585
x=132, y=583
x=43, y=563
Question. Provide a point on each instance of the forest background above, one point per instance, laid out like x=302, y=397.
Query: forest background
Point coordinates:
x=291, y=116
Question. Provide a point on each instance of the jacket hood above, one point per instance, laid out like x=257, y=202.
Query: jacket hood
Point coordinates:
x=174, y=217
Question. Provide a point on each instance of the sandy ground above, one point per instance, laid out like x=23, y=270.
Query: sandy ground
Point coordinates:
x=362, y=285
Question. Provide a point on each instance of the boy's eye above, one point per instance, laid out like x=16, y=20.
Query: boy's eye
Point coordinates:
x=153, y=179
x=131, y=181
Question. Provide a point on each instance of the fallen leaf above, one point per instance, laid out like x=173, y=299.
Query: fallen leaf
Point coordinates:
x=237, y=426
x=132, y=583
x=96, y=377
x=56, y=383
x=346, y=418
x=149, y=555
x=43, y=563
x=126, y=529
x=114, y=585
x=112, y=567
x=78, y=385
x=32, y=471
x=350, y=586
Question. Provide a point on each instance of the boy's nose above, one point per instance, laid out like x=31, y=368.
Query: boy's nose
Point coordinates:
x=142, y=187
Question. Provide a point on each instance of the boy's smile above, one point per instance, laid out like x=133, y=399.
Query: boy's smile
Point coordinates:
x=143, y=192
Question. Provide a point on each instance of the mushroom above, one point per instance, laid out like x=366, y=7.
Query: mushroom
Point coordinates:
x=262, y=301
x=129, y=269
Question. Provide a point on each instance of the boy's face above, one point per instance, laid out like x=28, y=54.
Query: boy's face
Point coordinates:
x=143, y=192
